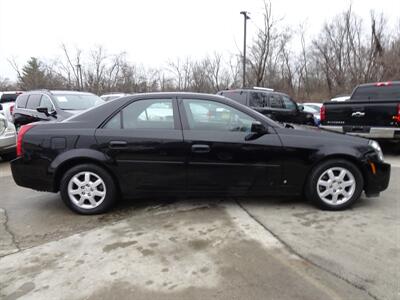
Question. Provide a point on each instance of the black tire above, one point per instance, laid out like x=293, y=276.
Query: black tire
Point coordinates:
x=8, y=156
x=311, y=186
x=310, y=122
x=110, y=189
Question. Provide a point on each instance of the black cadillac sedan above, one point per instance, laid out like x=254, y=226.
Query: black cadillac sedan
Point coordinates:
x=194, y=145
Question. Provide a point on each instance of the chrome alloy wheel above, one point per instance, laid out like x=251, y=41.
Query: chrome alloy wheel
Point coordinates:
x=86, y=190
x=336, y=186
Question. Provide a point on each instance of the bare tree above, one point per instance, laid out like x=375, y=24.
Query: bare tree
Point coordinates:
x=264, y=49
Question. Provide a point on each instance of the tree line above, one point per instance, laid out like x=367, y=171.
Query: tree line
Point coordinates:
x=346, y=52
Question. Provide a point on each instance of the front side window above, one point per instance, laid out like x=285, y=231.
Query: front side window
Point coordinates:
x=211, y=115
x=145, y=114
x=288, y=103
x=46, y=102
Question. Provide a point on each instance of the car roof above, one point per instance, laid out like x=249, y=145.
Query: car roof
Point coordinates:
x=58, y=92
x=105, y=109
x=11, y=92
x=312, y=103
x=253, y=90
x=113, y=94
x=379, y=82
x=177, y=94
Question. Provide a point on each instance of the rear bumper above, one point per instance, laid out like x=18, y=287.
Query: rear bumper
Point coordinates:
x=378, y=182
x=31, y=175
x=371, y=132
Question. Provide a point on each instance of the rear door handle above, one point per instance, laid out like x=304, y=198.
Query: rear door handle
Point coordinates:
x=117, y=144
x=198, y=148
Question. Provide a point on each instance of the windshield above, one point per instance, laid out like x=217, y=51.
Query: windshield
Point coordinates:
x=77, y=101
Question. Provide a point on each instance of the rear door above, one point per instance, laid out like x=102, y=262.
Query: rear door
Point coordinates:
x=219, y=157
x=145, y=141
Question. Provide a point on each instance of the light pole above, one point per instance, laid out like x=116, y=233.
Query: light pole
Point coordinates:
x=79, y=76
x=246, y=17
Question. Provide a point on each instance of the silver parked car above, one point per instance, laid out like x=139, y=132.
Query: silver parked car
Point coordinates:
x=8, y=138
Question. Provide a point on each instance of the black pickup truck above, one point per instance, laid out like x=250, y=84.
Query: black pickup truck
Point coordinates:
x=373, y=111
x=275, y=105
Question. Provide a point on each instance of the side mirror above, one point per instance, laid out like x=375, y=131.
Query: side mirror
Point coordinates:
x=301, y=107
x=257, y=130
x=1, y=107
x=45, y=110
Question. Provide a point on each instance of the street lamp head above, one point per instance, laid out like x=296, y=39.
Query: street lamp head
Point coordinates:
x=245, y=14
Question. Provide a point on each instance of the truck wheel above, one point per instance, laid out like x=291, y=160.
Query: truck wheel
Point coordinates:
x=334, y=184
x=88, y=189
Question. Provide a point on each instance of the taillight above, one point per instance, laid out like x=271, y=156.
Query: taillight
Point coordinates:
x=12, y=109
x=24, y=129
x=386, y=83
x=322, y=113
x=397, y=117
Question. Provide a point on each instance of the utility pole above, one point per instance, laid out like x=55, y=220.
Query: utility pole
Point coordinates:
x=246, y=17
x=79, y=75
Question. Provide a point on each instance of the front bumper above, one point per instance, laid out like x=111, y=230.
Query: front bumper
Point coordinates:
x=391, y=133
x=376, y=177
x=31, y=175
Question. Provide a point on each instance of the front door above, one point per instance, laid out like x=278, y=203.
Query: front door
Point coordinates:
x=219, y=157
x=145, y=142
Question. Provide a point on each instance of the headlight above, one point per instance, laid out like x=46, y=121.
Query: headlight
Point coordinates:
x=377, y=148
x=3, y=126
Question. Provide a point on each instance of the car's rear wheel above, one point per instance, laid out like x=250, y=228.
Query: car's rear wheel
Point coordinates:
x=88, y=189
x=335, y=184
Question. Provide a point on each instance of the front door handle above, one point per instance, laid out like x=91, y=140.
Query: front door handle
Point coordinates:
x=117, y=144
x=200, y=148
x=358, y=114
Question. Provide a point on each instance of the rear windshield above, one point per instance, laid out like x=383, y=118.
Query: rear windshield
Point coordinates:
x=372, y=92
x=9, y=97
x=77, y=101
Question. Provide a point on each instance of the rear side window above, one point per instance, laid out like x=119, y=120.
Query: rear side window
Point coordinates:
x=236, y=95
x=33, y=101
x=258, y=99
x=275, y=101
x=8, y=97
x=372, y=92
x=21, y=101
x=115, y=122
x=145, y=114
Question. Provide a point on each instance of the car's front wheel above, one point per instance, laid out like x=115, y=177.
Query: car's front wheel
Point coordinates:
x=88, y=189
x=335, y=184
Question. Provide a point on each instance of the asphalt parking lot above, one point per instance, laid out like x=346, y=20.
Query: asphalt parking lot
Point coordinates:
x=199, y=249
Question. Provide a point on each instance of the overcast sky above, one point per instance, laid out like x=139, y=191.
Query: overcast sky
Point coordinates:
x=153, y=31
